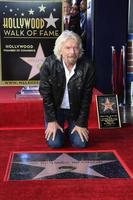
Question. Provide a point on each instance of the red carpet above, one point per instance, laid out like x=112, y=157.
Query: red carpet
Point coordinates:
x=120, y=140
x=28, y=113
x=18, y=113
x=27, y=134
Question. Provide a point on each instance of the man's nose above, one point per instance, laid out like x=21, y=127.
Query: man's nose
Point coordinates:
x=72, y=50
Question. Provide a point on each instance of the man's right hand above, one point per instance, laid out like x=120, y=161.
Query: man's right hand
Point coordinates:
x=52, y=129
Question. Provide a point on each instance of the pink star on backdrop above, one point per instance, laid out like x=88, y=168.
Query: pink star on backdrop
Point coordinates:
x=35, y=62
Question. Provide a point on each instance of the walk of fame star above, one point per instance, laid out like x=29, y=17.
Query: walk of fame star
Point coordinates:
x=108, y=105
x=63, y=165
x=66, y=163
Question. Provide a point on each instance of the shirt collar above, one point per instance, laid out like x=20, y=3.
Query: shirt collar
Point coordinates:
x=66, y=69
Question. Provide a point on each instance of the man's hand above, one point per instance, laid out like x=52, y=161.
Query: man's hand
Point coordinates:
x=51, y=130
x=83, y=133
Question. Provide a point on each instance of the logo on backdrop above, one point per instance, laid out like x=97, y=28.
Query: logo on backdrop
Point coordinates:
x=28, y=33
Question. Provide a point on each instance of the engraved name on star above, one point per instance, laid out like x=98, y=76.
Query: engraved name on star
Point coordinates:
x=108, y=105
x=35, y=62
x=65, y=163
x=51, y=21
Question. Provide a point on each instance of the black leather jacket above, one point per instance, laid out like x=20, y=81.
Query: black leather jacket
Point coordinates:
x=80, y=85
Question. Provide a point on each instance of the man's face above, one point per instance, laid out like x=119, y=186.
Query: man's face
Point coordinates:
x=83, y=6
x=67, y=8
x=70, y=52
x=74, y=10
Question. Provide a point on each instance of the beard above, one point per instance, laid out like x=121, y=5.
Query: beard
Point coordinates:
x=72, y=60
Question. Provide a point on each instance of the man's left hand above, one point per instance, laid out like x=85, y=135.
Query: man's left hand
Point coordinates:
x=83, y=133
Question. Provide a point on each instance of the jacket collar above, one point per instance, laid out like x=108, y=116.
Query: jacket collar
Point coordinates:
x=78, y=71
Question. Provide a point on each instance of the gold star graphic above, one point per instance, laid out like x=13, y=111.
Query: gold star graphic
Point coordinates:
x=108, y=105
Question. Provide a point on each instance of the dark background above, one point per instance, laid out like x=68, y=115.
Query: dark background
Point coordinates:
x=110, y=29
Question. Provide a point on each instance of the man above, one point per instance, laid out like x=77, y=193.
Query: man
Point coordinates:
x=75, y=10
x=83, y=22
x=71, y=22
x=66, y=83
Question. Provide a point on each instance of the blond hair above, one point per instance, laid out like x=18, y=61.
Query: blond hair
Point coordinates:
x=60, y=41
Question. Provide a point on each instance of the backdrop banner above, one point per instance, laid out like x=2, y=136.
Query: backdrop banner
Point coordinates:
x=28, y=33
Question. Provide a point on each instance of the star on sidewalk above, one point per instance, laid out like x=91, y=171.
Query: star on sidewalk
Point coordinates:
x=108, y=105
x=65, y=163
x=35, y=62
x=51, y=21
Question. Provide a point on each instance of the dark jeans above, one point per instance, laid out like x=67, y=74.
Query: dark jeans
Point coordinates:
x=63, y=115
